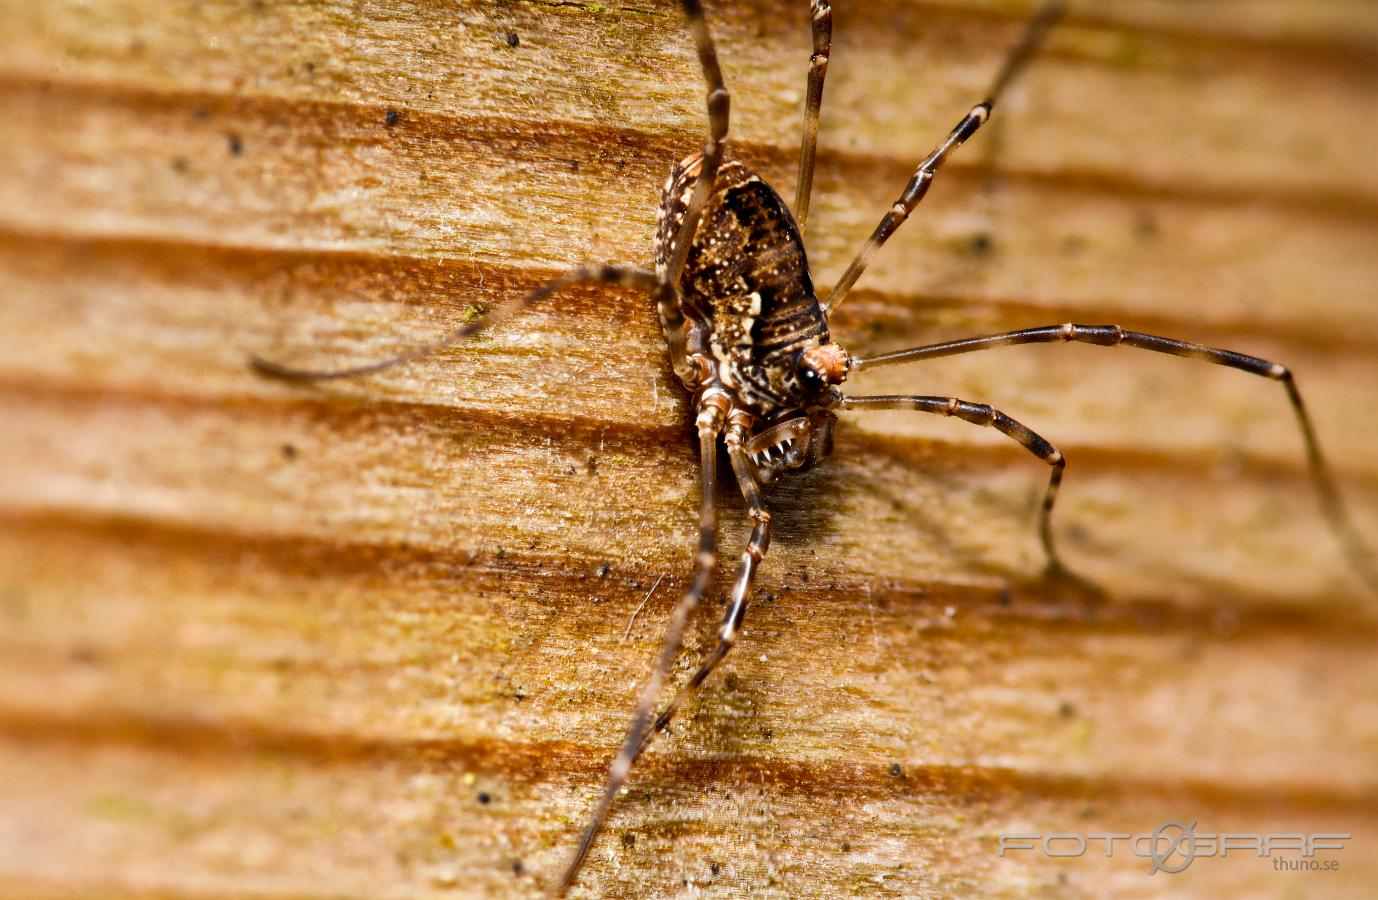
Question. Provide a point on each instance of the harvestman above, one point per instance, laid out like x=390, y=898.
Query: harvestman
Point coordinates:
x=748, y=338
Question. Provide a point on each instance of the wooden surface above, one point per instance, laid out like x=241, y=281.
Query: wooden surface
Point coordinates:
x=366, y=639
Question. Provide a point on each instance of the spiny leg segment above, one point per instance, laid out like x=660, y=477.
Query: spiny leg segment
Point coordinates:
x=923, y=176
x=990, y=417
x=1113, y=335
x=821, y=15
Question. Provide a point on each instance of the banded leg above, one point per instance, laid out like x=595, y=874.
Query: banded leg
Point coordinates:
x=741, y=590
x=676, y=330
x=1113, y=335
x=719, y=106
x=613, y=275
x=821, y=16
x=710, y=424
x=923, y=176
x=981, y=414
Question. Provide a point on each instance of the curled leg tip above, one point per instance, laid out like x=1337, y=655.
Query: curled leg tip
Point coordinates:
x=1057, y=573
x=271, y=369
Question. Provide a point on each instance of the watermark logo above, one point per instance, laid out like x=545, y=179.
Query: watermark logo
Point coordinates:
x=1173, y=846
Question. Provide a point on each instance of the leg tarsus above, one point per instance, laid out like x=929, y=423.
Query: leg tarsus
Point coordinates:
x=614, y=275
x=990, y=417
x=1057, y=573
x=1337, y=516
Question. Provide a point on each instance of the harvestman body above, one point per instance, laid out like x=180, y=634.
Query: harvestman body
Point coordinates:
x=748, y=338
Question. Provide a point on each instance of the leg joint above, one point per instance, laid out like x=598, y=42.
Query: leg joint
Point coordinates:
x=669, y=309
x=713, y=406
x=731, y=627
x=980, y=414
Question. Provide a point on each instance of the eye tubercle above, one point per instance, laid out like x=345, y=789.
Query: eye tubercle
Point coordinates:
x=828, y=360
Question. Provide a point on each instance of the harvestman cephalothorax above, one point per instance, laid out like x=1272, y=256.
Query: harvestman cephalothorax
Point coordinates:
x=748, y=338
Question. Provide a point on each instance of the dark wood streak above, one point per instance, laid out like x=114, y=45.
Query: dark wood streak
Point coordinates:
x=496, y=429
x=350, y=635
x=299, y=555
x=423, y=282
x=531, y=764
x=652, y=150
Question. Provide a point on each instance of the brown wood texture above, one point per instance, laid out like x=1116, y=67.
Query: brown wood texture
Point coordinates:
x=366, y=639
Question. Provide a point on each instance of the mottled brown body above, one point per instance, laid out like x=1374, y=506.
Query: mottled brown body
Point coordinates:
x=747, y=293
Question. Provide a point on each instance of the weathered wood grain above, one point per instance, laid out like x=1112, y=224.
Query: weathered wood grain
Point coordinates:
x=366, y=639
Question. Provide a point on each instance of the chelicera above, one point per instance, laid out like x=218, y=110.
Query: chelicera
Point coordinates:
x=748, y=338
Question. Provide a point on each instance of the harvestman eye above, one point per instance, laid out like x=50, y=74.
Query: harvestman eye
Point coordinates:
x=738, y=332
x=810, y=378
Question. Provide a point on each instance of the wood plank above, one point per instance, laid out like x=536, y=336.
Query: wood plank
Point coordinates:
x=366, y=639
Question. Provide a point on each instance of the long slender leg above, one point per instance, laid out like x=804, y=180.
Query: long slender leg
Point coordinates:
x=719, y=106
x=614, y=275
x=821, y=13
x=1113, y=335
x=676, y=331
x=981, y=414
x=919, y=182
x=710, y=423
x=746, y=576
